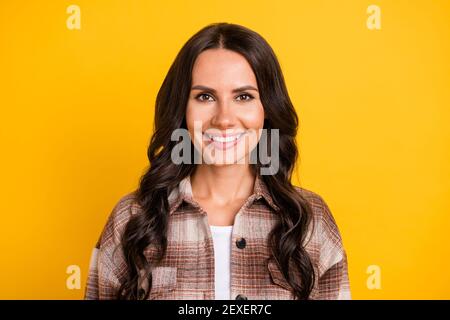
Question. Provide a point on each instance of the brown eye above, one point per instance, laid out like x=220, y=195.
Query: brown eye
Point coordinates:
x=204, y=97
x=244, y=97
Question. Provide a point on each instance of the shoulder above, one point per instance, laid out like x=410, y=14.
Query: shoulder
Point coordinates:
x=315, y=200
x=108, y=264
x=325, y=237
x=326, y=228
x=319, y=206
x=123, y=209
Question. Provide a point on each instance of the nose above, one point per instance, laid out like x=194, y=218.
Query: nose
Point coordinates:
x=224, y=116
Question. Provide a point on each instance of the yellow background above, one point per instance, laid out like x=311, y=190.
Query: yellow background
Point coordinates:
x=77, y=110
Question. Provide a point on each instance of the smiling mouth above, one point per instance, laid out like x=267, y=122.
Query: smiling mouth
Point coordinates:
x=223, y=141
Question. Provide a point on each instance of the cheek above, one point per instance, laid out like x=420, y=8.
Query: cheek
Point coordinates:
x=253, y=117
x=195, y=113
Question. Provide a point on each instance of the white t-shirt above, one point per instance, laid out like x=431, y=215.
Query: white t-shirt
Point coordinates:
x=222, y=253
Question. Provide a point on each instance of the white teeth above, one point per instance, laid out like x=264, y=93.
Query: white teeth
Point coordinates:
x=225, y=139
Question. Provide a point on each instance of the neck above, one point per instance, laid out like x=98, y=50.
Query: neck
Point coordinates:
x=222, y=184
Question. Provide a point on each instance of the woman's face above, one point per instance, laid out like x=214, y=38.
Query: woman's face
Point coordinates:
x=224, y=112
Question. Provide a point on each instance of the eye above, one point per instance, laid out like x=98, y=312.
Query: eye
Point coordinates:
x=204, y=97
x=244, y=97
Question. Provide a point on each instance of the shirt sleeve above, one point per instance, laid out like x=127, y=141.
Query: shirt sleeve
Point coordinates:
x=107, y=267
x=333, y=283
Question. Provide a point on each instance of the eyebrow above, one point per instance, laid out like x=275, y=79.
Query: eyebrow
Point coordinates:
x=240, y=89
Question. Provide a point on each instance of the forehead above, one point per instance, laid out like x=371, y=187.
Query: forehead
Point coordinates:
x=222, y=68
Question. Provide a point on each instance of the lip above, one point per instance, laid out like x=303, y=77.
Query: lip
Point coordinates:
x=223, y=141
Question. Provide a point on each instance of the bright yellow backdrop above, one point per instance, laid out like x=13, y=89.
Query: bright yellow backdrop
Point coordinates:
x=77, y=109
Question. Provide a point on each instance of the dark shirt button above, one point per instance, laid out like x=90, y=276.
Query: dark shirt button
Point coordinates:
x=240, y=243
x=241, y=297
x=141, y=294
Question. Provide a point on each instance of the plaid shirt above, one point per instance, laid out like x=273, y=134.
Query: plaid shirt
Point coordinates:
x=187, y=270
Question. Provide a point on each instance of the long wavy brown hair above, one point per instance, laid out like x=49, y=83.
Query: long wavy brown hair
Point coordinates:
x=287, y=238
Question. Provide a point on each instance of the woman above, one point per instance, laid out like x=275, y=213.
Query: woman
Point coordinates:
x=222, y=227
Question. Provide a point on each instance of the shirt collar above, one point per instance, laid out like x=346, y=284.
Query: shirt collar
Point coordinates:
x=183, y=192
